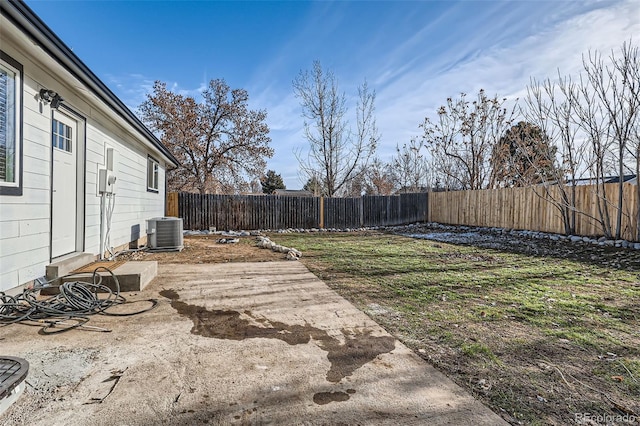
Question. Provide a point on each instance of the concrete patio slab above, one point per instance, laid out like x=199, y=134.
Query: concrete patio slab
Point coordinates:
x=237, y=343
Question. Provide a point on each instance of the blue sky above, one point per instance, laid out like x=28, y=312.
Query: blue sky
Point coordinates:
x=415, y=54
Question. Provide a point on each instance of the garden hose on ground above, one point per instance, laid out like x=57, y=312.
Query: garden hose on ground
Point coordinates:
x=70, y=307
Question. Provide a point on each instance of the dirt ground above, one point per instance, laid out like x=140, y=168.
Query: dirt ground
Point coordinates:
x=205, y=249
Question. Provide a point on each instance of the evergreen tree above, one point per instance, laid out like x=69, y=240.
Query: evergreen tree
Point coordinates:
x=271, y=181
x=523, y=156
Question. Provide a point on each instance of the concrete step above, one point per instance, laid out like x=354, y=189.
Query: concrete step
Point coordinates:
x=68, y=263
x=132, y=276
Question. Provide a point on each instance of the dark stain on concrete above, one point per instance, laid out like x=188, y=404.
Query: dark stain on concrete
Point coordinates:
x=322, y=398
x=170, y=294
x=228, y=325
x=358, y=349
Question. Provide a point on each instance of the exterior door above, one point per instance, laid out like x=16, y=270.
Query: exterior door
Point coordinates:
x=64, y=138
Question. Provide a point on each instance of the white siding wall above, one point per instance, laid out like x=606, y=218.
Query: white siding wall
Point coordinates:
x=133, y=204
x=25, y=220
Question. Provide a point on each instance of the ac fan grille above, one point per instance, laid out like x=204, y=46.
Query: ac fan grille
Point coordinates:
x=167, y=235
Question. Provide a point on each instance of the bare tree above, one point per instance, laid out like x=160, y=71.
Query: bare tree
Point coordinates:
x=443, y=173
x=463, y=137
x=549, y=105
x=636, y=145
x=220, y=143
x=616, y=86
x=336, y=154
x=255, y=187
x=314, y=184
x=379, y=178
x=410, y=166
x=593, y=124
x=356, y=186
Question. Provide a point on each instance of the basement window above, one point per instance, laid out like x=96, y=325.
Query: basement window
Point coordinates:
x=153, y=168
x=10, y=126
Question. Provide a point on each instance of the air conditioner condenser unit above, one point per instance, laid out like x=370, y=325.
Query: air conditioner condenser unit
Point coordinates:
x=165, y=234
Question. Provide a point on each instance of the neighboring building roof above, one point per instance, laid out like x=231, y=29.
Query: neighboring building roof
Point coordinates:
x=24, y=18
x=616, y=179
x=293, y=192
x=607, y=179
x=412, y=189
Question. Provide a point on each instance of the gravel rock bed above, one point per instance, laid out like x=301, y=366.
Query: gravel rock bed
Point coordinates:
x=261, y=232
x=609, y=253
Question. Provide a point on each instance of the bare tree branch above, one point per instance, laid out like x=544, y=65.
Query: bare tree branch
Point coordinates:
x=462, y=140
x=334, y=152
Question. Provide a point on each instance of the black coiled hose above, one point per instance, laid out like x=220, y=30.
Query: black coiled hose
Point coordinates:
x=75, y=301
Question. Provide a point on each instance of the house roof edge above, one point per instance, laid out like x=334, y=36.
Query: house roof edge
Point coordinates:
x=25, y=18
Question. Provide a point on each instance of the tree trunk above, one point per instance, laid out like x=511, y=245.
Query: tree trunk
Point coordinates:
x=620, y=200
x=638, y=192
x=573, y=209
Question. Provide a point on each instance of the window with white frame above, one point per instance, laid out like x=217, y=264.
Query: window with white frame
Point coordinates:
x=153, y=168
x=10, y=125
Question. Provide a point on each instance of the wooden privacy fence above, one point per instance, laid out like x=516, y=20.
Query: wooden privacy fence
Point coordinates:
x=516, y=208
x=228, y=212
x=522, y=208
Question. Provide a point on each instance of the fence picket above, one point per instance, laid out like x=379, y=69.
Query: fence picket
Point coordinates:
x=523, y=208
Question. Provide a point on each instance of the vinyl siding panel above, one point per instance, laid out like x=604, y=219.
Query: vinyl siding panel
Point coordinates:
x=26, y=251
x=34, y=227
x=9, y=229
x=133, y=204
x=7, y=278
x=25, y=220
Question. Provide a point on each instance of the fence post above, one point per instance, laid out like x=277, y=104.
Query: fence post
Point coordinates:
x=426, y=209
x=172, y=204
x=321, y=212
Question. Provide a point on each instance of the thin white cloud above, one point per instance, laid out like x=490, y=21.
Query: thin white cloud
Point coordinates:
x=132, y=89
x=504, y=69
x=497, y=46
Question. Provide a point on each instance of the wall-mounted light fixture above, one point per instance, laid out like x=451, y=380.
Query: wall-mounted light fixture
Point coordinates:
x=48, y=96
